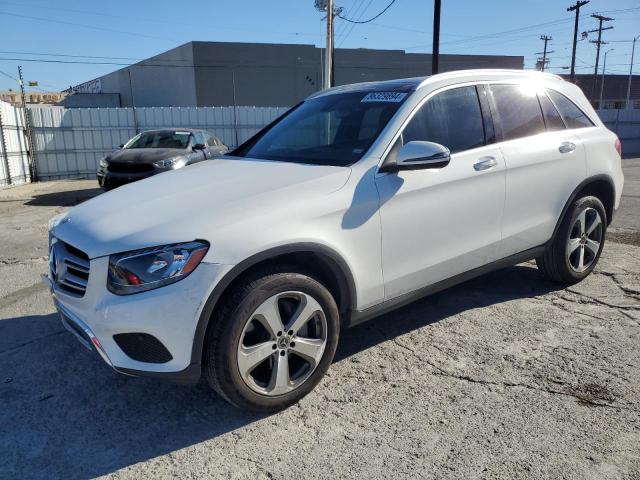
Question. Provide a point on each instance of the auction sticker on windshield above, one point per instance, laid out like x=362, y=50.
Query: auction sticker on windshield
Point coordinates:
x=391, y=97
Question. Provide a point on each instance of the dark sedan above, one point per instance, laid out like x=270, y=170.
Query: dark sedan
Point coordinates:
x=156, y=151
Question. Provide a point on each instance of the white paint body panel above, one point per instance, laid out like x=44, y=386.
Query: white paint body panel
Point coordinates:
x=395, y=232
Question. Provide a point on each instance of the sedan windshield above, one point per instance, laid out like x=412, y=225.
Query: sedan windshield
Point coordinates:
x=167, y=139
x=335, y=129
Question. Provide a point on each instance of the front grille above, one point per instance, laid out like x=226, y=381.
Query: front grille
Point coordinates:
x=69, y=267
x=130, y=167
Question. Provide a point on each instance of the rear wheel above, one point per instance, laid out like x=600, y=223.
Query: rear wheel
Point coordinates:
x=576, y=248
x=272, y=340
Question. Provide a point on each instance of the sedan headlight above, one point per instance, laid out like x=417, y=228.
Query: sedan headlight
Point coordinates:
x=104, y=163
x=149, y=268
x=173, y=162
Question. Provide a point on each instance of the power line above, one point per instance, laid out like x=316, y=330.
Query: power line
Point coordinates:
x=93, y=27
x=344, y=27
x=372, y=18
x=138, y=19
x=18, y=81
x=69, y=55
x=353, y=25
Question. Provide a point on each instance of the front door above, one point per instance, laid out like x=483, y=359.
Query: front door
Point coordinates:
x=438, y=223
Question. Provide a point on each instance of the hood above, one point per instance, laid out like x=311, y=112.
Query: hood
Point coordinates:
x=143, y=155
x=191, y=203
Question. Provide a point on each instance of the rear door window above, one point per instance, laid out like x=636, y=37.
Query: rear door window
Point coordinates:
x=518, y=111
x=552, y=118
x=452, y=118
x=572, y=115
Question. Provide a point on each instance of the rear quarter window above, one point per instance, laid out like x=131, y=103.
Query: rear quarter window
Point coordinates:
x=571, y=113
x=552, y=118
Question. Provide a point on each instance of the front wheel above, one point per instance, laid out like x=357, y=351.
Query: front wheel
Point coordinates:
x=272, y=340
x=578, y=243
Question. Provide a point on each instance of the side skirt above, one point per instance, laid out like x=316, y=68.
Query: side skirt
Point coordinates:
x=360, y=316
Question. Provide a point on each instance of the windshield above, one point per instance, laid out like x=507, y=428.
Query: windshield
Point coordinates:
x=159, y=140
x=330, y=130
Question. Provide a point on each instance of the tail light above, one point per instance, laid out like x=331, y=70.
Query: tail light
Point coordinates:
x=618, y=147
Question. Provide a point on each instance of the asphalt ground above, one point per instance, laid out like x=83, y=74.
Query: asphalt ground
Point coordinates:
x=506, y=376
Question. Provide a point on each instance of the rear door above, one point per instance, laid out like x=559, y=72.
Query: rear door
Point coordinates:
x=545, y=162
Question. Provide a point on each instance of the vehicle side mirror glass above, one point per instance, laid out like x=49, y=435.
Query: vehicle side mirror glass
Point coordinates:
x=199, y=146
x=418, y=155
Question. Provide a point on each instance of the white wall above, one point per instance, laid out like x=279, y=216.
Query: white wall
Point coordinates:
x=16, y=154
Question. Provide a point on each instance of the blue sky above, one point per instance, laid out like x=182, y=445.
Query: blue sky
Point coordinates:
x=131, y=30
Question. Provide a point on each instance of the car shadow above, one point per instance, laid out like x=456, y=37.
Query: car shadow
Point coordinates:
x=66, y=414
x=63, y=199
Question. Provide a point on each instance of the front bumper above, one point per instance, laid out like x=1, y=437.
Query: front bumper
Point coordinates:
x=113, y=180
x=170, y=314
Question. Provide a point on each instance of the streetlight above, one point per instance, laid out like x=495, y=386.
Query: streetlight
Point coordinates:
x=604, y=65
x=633, y=47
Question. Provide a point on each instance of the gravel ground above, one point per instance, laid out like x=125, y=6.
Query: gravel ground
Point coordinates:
x=507, y=376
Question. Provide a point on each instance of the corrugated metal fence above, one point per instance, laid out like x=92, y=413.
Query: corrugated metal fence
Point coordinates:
x=69, y=143
x=626, y=124
x=14, y=165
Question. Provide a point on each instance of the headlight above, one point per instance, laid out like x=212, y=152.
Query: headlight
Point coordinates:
x=104, y=163
x=149, y=268
x=173, y=162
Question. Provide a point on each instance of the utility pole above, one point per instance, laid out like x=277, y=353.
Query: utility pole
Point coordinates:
x=576, y=8
x=328, y=55
x=435, y=54
x=5, y=155
x=544, y=61
x=604, y=66
x=133, y=102
x=598, y=42
x=633, y=48
x=33, y=173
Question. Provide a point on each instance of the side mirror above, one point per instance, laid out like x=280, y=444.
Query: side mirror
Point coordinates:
x=122, y=146
x=198, y=146
x=418, y=155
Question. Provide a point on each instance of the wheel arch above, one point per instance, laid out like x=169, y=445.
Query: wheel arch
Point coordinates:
x=326, y=263
x=600, y=186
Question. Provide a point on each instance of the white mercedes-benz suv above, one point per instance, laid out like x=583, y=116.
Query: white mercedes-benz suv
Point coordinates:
x=359, y=199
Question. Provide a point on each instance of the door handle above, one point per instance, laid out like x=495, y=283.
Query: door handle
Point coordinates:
x=567, y=147
x=485, y=163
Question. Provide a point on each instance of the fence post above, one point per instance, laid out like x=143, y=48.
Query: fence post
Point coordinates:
x=3, y=144
x=235, y=107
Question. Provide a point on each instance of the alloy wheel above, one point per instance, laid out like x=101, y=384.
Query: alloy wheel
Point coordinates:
x=282, y=343
x=584, y=240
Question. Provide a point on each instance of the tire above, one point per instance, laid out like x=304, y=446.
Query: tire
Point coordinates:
x=562, y=262
x=245, y=325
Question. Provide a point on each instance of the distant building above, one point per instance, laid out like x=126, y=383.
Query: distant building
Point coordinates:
x=13, y=97
x=614, y=92
x=222, y=74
